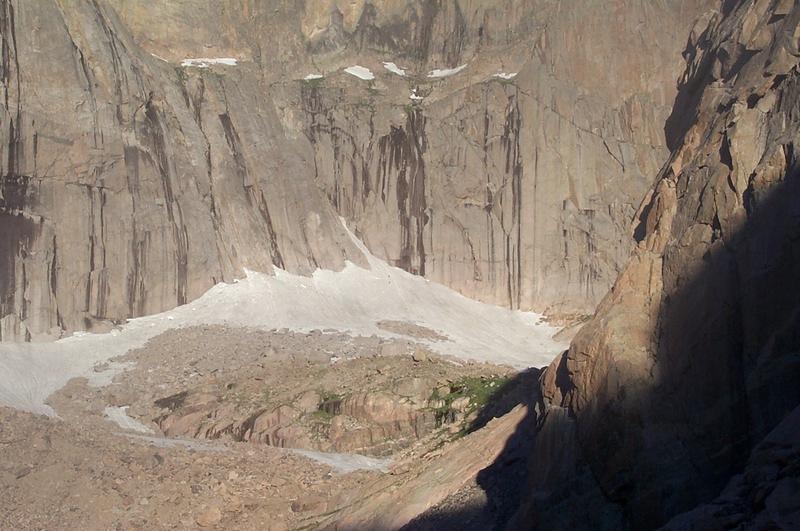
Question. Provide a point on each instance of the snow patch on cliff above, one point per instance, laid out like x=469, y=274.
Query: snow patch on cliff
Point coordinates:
x=205, y=62
x=446, y=72
x=360, y=72
x=393, y=68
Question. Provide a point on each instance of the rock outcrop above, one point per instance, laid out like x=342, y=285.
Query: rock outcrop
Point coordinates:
x=367, y=423
x=692, y=358
x=378, y=422
x=133, y=180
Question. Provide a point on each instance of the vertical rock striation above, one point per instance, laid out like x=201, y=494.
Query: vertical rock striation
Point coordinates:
x=129, y=185
x=530, y=180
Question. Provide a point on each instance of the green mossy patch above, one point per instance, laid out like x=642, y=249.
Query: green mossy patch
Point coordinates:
x=479, y=389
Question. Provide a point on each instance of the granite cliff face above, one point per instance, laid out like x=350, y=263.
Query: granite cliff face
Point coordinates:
x=502, y=147
x=692, y=358
x=131, y=183
x=514, y=189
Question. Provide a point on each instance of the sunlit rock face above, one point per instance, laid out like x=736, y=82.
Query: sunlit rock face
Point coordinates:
x=152, y=149
x=692, y=358
x=132, y=184
x=515, y=179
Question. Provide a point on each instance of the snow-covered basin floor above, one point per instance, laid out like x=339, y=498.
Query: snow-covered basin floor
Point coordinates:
x=353, y=300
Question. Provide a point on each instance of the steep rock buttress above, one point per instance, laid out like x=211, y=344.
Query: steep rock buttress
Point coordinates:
x=692, y=358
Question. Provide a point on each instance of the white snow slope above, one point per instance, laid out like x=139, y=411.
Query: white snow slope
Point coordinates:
x=352, y=300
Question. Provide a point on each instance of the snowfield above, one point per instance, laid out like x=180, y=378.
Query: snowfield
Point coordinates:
x=120, y=417
x=506, y=76
x=311, y=77
x=353, y=300
x=344, y=463
x=360, y=72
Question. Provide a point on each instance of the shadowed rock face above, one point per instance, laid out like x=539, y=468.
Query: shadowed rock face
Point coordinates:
x=131, y=184
x=692, y=358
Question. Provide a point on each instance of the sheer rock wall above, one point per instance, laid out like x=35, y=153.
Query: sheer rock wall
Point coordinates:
x=130, y=184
